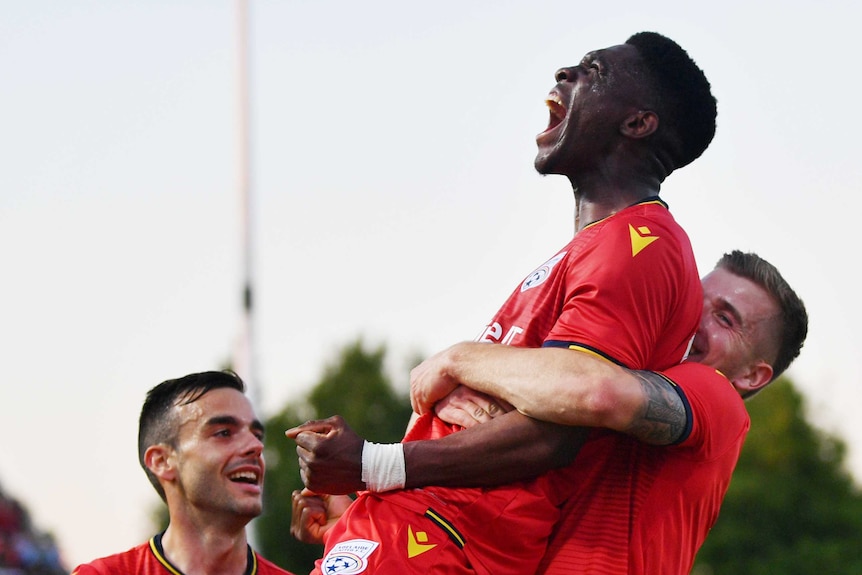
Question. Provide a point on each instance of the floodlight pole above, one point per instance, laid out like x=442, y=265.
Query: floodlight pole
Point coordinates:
x=245, y=358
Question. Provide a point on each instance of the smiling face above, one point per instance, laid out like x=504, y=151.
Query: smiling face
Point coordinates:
x=736, y=333
x=587, y=108
x=217, y=466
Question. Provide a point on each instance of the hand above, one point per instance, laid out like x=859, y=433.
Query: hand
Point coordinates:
x=330, y=455
x=313, y=515
x=467, y=407
x=429, y=382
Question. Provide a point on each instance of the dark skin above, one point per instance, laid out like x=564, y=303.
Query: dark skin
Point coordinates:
x=598, y=136
x=330, y=454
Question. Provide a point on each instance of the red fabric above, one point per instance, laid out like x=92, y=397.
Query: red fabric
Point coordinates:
x=147, y=559
x=640, y=310
x=641, y=509
x=626, y=287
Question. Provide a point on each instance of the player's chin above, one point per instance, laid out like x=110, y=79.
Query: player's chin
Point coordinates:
x=251, y=510
x=542, y=163
x=547, y=160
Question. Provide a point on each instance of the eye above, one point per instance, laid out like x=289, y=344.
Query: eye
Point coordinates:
x=724, y=319
x=223, y=433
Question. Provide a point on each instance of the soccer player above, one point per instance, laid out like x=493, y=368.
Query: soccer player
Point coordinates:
x=650, y=480
x=201, y=446
x=625, y=287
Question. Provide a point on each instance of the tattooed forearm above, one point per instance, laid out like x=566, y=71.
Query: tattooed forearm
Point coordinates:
x=662, y=420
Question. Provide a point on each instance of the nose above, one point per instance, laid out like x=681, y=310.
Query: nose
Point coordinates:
x=254, y=444
x=565, y=74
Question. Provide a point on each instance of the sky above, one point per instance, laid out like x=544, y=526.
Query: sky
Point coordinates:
x=393, y=198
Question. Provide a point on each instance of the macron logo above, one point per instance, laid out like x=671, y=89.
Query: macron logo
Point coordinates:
x=416, y=543
x=641, y=238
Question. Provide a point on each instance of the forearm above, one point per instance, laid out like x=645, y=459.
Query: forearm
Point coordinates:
x=511, y=447
x=552, y=384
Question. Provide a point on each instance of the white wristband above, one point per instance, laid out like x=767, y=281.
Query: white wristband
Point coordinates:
x=383, y=466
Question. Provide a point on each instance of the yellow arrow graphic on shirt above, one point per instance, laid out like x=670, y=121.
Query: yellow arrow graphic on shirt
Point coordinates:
x=641, y=238
x=416, y=544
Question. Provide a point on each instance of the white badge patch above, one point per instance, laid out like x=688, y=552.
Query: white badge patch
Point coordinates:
x=349, y=557
x=541, y=274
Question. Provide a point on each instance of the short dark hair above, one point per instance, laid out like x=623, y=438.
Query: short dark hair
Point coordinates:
x=157, y=423
x=793, y=324
x=686, y=107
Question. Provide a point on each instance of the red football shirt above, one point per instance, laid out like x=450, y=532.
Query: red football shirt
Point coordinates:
x=149, y=559
x=641, y=509
x=625, y=287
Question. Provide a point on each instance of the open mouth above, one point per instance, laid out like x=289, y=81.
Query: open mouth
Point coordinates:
x=247, y=477
x=696, y=352
x=557, y=111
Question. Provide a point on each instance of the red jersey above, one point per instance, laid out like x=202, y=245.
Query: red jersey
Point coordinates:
x=641, y=509
x=625, y=287
x=149, y=559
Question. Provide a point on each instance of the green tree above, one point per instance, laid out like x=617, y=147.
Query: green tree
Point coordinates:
x=791, y=508
x=355, y=386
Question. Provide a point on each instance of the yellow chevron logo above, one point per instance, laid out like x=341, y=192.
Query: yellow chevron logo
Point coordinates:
x=416, y=544
x=641, y=238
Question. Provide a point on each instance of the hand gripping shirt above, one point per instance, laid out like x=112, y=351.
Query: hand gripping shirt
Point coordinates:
x=640, y=509
x=149, y=559
x=626, y=288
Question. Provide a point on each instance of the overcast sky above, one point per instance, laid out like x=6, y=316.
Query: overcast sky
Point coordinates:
x=394, y=198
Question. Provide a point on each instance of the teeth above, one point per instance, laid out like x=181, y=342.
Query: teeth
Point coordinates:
x=556, y=107
x=244, y=476
x=553, y=99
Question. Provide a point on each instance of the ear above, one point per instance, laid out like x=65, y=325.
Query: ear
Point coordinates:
x=641, y=124
x=754, y=378
x=159, y=459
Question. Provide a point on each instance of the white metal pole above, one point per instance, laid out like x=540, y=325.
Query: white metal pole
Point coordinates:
x=245, y=358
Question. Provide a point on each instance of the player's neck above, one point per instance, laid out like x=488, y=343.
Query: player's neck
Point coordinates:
x=602, y=193
x=206, y=551
x=589, y=210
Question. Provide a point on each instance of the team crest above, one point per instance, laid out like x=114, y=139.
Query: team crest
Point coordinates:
x=349, y=557
x=541, y=274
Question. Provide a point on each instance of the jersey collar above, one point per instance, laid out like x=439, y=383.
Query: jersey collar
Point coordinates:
x=159, y=553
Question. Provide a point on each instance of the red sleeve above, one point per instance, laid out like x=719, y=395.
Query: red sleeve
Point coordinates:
x=719, y=420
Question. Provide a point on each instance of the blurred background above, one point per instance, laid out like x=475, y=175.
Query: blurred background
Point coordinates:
x=389, y=196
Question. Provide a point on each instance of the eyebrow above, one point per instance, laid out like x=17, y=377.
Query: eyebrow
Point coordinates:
x=233, y=421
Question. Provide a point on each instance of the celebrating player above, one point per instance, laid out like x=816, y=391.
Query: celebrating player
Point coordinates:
x=625, y=288
x=201, y=447
x=650, y=481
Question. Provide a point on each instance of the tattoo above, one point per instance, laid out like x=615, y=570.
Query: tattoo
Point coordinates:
x=663, y=419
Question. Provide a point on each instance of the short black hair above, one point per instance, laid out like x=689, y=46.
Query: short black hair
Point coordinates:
x=687, y=108
x=794, y=318
x=157, y=423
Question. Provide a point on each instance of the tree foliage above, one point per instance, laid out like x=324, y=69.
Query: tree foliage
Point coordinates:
x=355, y=386
x=791, y=508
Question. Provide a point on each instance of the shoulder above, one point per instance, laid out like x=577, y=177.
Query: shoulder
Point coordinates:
x=691, y=375
x=126, y=562
x=644, y=234
x=705, y=387
x=717, y=412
